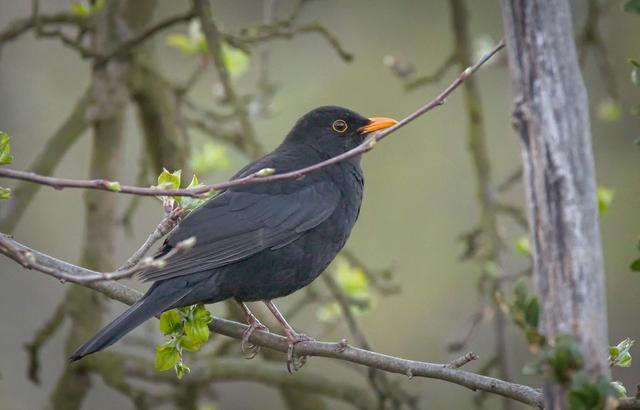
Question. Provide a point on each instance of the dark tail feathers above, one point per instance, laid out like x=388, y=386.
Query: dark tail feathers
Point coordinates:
x=149, y=305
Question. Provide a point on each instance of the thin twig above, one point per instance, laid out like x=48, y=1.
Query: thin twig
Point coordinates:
x=367, y=145
x=462, y=360
x=29, y=260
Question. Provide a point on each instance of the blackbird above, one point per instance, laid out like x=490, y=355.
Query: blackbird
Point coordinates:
x=261, y=241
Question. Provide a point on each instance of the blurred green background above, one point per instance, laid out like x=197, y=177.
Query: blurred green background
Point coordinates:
x=420, y=187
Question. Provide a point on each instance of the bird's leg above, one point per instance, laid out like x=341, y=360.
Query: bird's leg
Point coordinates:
x=293, y=363
x=249, y=349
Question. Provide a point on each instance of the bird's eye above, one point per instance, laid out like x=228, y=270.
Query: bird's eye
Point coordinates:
x=339, y=126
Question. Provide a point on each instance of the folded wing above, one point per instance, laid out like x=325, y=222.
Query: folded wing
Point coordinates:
x=237, y=224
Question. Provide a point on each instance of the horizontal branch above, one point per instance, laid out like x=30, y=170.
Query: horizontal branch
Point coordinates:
x=339, y=350
x=367, y=145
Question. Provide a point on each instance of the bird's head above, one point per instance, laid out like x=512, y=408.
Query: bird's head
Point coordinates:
x=333, y=130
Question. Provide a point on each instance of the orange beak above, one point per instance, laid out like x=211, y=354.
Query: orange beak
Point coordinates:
x=376, y=124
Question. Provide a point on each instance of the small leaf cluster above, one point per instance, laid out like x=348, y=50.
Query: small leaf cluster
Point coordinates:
x=523, y=246
x=172, y=180
x=605, y=199
x=619, y=354
x=5, y=158
x=187, y=329
x=587, y=395
x=525, y=313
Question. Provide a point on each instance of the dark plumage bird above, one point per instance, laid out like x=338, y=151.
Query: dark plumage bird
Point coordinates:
x=261, y=241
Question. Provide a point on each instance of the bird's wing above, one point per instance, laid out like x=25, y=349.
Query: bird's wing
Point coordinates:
x=239, y=223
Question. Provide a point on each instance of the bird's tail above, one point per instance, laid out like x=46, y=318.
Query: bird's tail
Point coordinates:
x=151, y=304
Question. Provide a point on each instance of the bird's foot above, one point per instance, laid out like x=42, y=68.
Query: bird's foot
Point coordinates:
x=295, y=363
x=249, y=349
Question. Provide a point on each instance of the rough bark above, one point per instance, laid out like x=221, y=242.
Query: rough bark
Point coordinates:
x=551, y=115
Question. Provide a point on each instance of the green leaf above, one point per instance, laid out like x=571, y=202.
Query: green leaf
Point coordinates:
x=619, y=355
x=182, y=43
x=190, y=343
x=5, y=149
x=196, y=326
x=632, y=6
x=609, y=110
x=193, y=43
x=189, y=203
x=605, y=199
x=5, y=193
x=236, y=60
x=635, y=265
x=169, y=180
x=533, y=312
x=352, y=280
x=523, y=246
x=167, y=355
x=619, y=388
x=80, y=9
x=170, y=322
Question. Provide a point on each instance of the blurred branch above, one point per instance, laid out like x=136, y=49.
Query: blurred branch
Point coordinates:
x=477, y=143
x=367, y=145
x=143, y=36
x=265, y=33
x=214, y=41
x=42, y=336
x=590, y=37
x=21, y=26
x=255, y=371
x=434, y=77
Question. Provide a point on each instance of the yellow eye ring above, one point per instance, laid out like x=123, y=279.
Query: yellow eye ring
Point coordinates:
x=339, y=126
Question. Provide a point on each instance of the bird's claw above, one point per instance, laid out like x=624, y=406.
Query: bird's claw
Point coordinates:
x=295, y=363
x=249, y=349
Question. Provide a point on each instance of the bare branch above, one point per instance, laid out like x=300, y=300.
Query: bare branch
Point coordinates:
x=340, y=351
x=367, y=145
x=214, y=42
x=462, y=360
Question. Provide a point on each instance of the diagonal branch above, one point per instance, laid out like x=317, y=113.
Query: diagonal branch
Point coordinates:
x=367, y=145
x=214, y=43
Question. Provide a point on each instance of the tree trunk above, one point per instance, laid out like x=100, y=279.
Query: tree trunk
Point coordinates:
x=551, y=115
